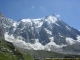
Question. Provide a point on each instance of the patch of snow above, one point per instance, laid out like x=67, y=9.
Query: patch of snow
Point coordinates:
x=38, y=23
x=26, y=20
x=48, y=31
x=23, y=28
x=17, y=42
x=2, y=17
x=52, y=46
x=22, y=44
x=51, y=39
x=14, y=24
x=9, y=38
x=37, y=45
x=51, y=19
x=68, y=28
x=14, y=29
x=70, y=41
x=6, y=26
x=57, y=24
x=32, y=28
x=78, y=38
x=60, y=35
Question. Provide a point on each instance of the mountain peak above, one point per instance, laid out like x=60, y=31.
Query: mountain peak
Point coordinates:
x=51, y=19
x=46, y=33
x=1, y=15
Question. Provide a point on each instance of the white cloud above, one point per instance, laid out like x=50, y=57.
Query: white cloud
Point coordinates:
x=42, y=8
x=33, y=7
x=58, y=15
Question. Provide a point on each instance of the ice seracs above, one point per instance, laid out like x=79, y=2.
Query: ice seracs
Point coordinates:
x=70, y=41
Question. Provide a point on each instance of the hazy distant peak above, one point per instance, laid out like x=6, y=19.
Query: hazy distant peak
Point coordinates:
x=1, y=15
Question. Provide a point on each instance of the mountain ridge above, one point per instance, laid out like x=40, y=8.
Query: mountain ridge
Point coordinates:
x=47, y=33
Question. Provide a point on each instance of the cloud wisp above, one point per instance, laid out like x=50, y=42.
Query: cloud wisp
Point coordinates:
x=33, y=7
x=42, y=8
x=58, y=15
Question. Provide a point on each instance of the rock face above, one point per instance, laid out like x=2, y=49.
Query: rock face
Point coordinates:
x=48, y=33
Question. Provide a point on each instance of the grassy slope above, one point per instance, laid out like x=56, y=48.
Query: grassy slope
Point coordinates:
x=47, y=54
x=27, y=57
x=9, y=52
x=42, y=55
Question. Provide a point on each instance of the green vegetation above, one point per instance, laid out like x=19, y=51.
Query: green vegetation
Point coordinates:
x=43, y=55
x=28, y=57
x=62, y=58
x=9, y=52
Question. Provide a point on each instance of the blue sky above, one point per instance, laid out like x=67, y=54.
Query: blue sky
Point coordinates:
x=66, y=10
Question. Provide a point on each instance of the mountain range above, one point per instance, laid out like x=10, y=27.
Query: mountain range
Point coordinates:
x=47, y=33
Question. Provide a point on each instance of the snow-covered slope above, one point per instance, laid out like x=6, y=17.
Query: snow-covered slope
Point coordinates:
x=47, y=33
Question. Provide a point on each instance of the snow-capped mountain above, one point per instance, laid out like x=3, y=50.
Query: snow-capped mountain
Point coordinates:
x=47, y=33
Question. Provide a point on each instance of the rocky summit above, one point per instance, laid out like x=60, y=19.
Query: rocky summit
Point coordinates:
x=46, y=33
